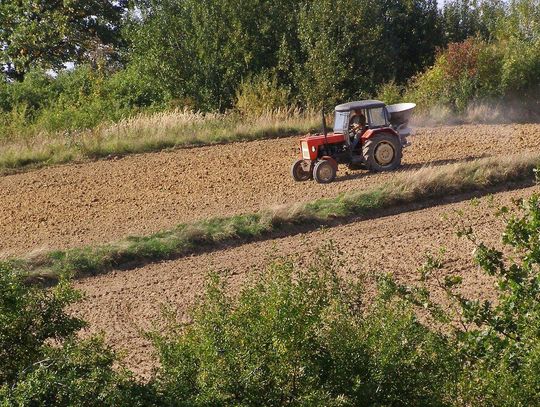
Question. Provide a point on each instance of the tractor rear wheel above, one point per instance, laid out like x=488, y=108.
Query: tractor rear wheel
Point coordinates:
x=382, y=152
x=324, y=172
x=301, y=171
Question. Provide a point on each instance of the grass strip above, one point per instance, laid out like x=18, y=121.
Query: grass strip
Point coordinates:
x=407, y=187
x=149, y=133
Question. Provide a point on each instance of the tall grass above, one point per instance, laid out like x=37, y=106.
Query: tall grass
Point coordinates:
x=150, y=132
x=426, y=183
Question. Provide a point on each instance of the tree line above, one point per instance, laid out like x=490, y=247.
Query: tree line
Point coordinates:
x=253, y=55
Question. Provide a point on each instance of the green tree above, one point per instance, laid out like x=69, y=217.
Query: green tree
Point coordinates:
x=467, y=18
x=412, y=33
x=350, y=47
x=461, y=20
x=340, y=42
x=199, y=51
x=522, y=22
x=47, y=34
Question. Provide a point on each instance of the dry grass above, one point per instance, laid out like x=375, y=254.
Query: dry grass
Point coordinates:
x=147, y=133
x=409, y=187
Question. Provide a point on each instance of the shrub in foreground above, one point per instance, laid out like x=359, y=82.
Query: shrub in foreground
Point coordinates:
x=41, y=360
x=497, y=342
x=300, y=336
x=30, y=318
x=78, y=373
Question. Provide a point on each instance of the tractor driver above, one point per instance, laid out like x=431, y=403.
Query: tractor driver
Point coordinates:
x=357, y=126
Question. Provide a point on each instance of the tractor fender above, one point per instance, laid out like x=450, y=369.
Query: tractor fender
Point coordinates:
x=372, y=132
x=330, y=160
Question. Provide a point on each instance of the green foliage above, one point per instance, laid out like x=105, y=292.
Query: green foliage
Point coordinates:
x=453, y=79
x=41, y=360
x=75, y=100
x=520, y=69
x=48, y=34
x=348, y=53
x=200, y=51
x=79, y=373
x=29, y=318
x=130, y=90
x=390, y=93
x=521, y=22
x=324, y=50
x=299, y=336
x=461, y=19
x=498, y=341
x=505, y=63
x=260, y=94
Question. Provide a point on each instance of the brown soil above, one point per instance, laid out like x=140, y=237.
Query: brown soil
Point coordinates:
x=123, y=304
x=97, y=202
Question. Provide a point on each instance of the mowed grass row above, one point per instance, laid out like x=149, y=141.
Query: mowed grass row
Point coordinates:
x=150, y=133
x=408, y=187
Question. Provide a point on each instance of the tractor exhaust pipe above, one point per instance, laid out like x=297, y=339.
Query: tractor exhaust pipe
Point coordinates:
x=324, y=127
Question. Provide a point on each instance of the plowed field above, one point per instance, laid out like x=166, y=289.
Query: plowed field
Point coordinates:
x=97, y=202
x=124, y=303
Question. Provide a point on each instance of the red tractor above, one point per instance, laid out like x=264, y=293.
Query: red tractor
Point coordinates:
x=367, y=134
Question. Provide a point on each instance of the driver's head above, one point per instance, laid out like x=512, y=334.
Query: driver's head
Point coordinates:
x=359, y=116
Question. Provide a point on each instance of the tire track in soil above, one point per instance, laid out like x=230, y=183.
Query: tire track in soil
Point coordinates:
x=97, y=202
x=122, y=304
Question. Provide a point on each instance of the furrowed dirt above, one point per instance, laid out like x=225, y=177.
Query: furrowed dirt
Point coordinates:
x=97, y=202
x=123, y=304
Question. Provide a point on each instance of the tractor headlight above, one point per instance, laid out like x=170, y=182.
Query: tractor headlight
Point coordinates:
x=305, y=150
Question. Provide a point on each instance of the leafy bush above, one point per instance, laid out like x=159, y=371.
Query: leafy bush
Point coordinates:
x=260, y=94
x=131, y=89
x=77, y=99
x=520, y=71
x=76, y=85
x=29, y=318
x=35, y=92
x=41, y=360
x=452, y=80
x=505, y=65
x=301, y=337
x=498, y=342
x=390, y=93
x=79, y=373
x=503, y=344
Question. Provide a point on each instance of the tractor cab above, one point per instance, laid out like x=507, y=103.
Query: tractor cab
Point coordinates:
x=374, y=112
x=366, y=134
x=355, y=118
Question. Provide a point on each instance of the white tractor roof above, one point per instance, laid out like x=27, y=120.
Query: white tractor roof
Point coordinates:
x=359, y=104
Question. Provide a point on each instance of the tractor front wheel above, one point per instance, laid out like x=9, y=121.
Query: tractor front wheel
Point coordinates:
x=301, y=170
x=324, y=172
x=382, y=152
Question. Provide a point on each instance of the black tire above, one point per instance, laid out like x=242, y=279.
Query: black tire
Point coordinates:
x=387, y=159
x=324, y=172
x=299, y=173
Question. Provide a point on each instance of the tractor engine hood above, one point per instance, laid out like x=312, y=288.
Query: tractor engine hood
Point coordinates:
x=311, y=143
x=318, y=139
